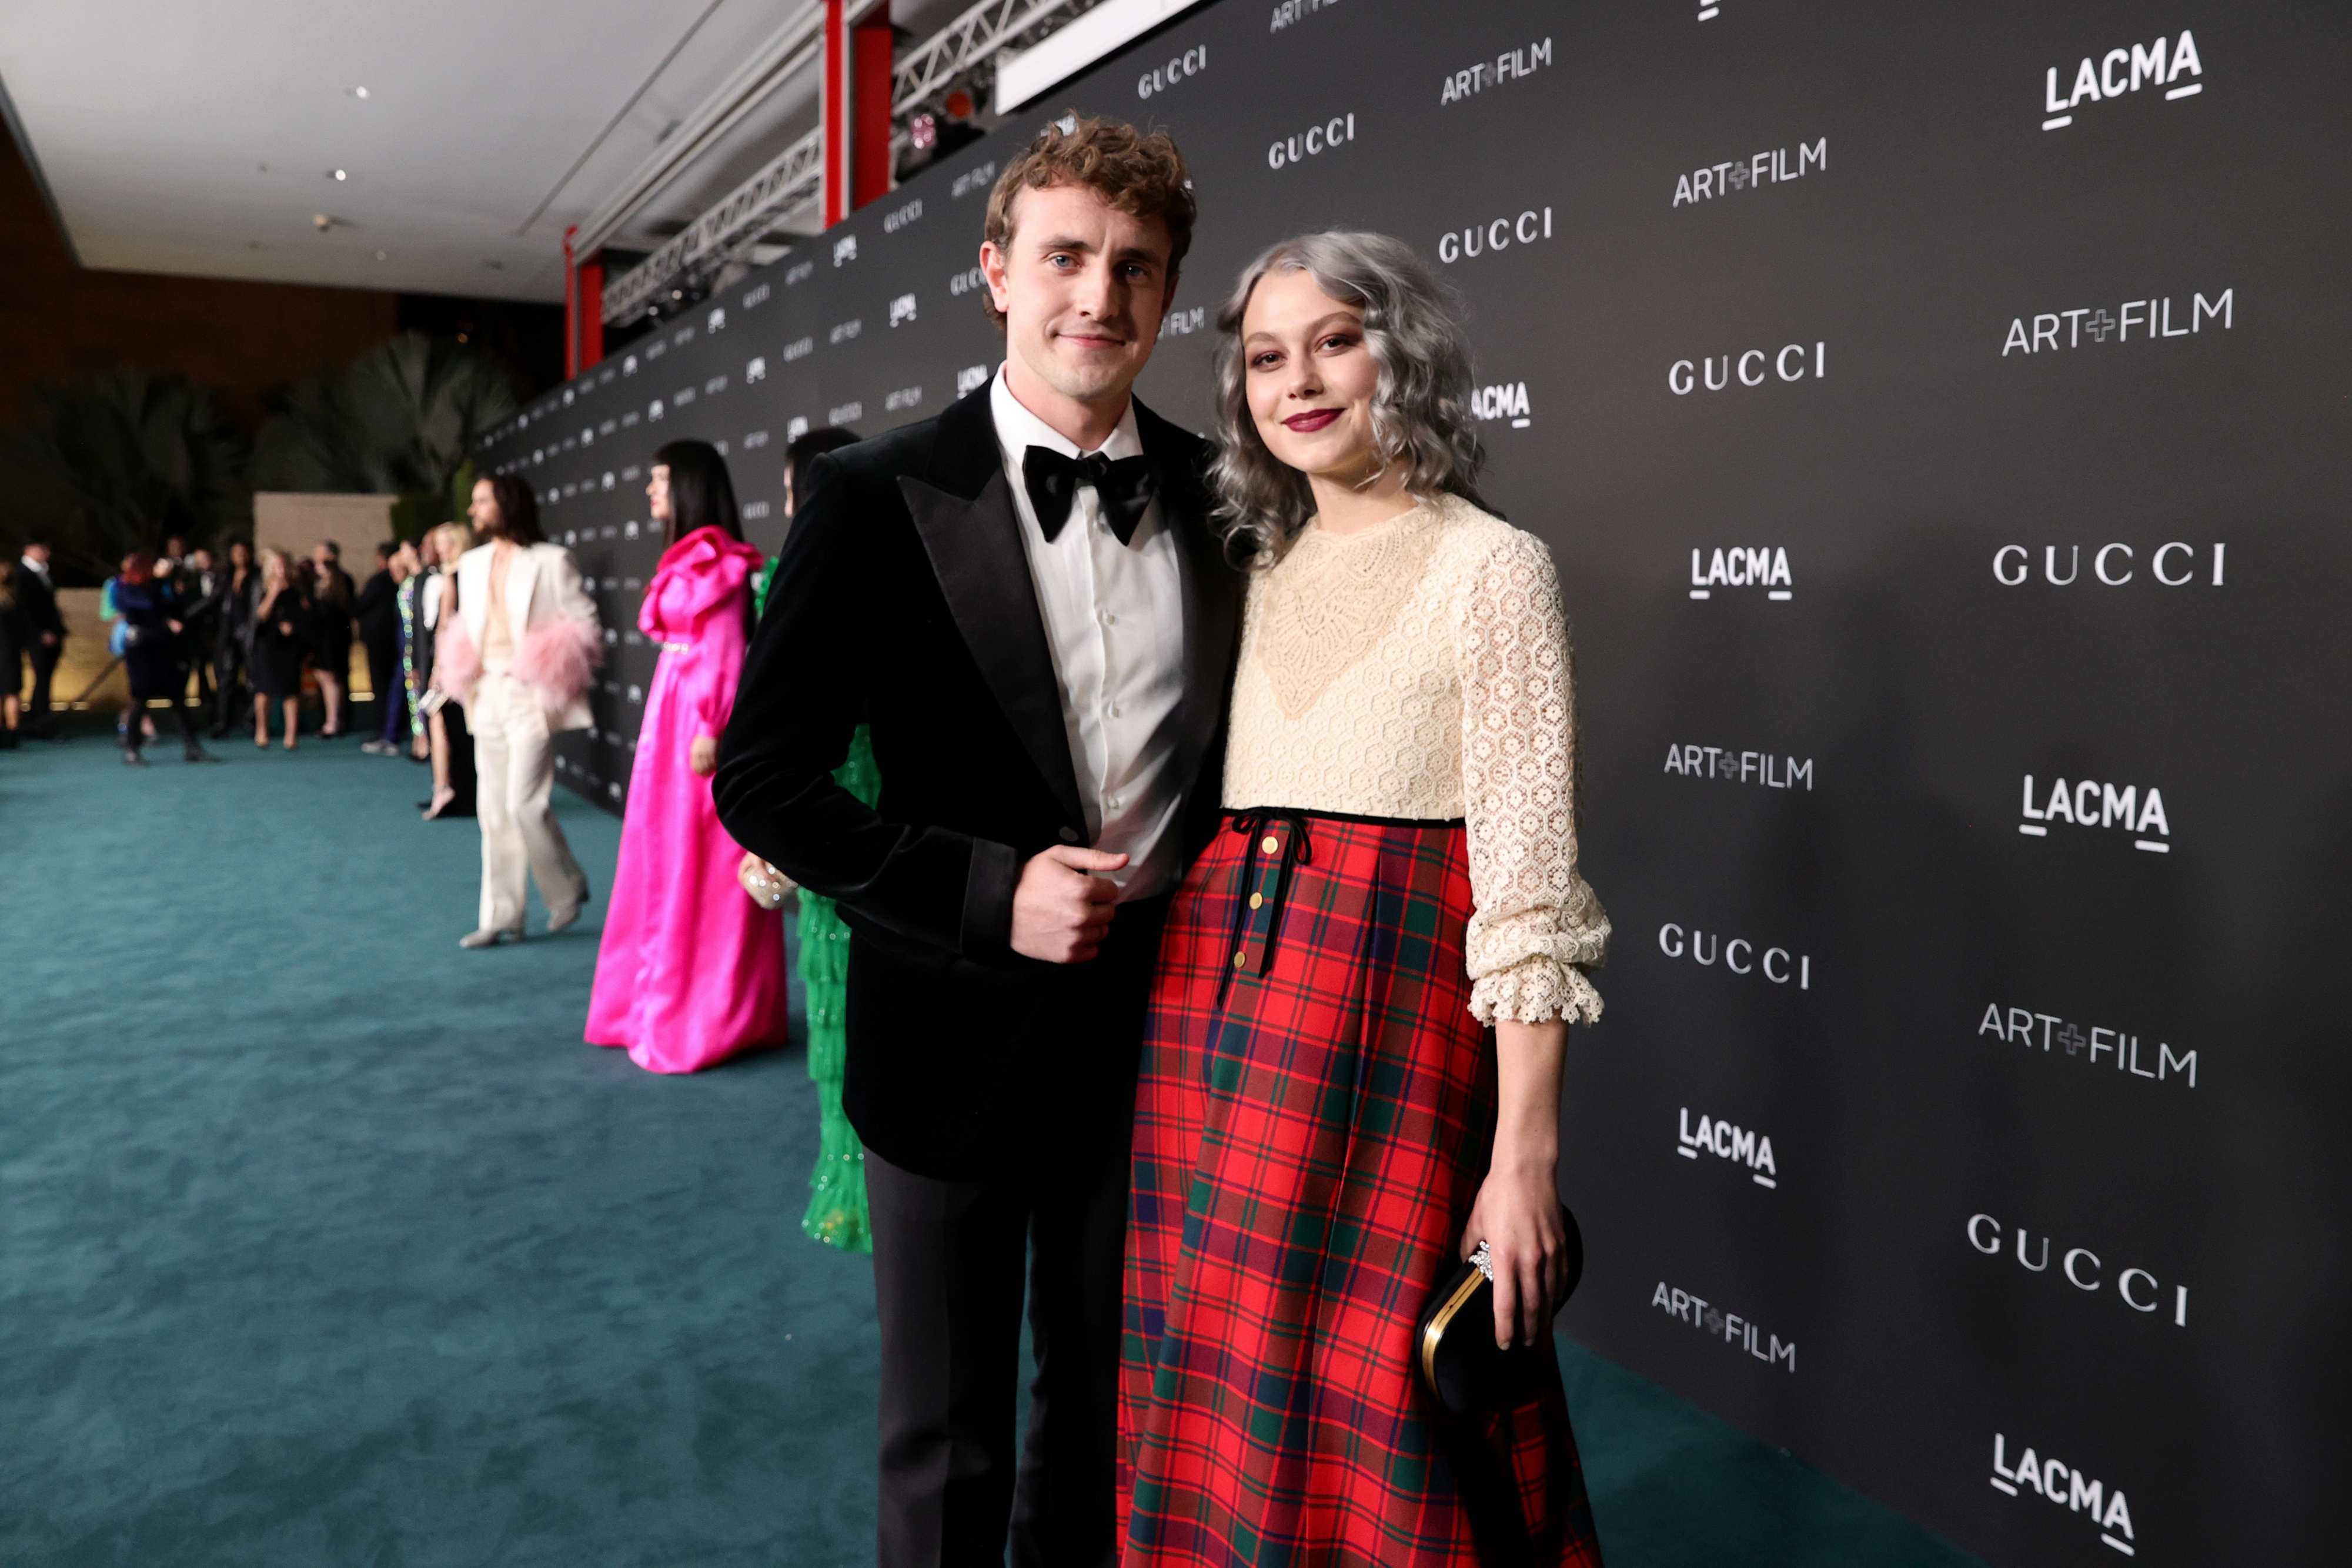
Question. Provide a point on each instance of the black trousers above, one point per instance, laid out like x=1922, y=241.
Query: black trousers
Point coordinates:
x=228, y=687
x=37, y=716
x=949, y=1259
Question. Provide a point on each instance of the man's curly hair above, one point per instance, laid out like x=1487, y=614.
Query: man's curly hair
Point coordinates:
x=1137, y=172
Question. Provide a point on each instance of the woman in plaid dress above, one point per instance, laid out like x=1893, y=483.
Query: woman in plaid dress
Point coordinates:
x=1353, y=1071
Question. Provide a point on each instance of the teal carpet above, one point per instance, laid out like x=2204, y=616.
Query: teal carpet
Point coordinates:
x=323, y=1242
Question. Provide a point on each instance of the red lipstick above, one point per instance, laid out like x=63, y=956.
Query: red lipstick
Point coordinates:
x=1313, y=420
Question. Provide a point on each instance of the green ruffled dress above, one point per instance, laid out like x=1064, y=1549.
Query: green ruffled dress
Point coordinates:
x=836, y=1210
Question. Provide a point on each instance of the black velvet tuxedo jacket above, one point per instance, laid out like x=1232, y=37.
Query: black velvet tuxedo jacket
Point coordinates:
x=904, y=600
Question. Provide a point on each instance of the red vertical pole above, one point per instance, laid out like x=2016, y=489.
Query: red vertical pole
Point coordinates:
x=570, y=307
x=833, y=112
x=870, y=108
x=591, y=311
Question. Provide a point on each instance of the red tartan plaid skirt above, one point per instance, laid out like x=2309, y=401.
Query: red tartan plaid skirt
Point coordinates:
x=1315, y=1116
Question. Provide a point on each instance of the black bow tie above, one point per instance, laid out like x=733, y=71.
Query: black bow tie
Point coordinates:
x=1123, y=487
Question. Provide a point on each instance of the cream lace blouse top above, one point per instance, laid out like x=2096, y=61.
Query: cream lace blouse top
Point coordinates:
x=1421, y=669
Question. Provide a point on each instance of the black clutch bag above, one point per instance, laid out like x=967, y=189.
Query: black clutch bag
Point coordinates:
x=1461, y=1368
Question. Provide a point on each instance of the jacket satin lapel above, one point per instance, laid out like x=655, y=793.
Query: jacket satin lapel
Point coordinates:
x=975, y=550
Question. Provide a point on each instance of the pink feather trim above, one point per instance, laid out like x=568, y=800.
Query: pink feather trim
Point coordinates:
x=556, y=657
x=455, y=661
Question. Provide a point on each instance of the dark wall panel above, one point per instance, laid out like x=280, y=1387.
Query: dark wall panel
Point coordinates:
x=1906, y=453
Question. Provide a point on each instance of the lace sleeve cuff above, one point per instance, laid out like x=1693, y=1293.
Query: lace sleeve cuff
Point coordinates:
x=1538, y=990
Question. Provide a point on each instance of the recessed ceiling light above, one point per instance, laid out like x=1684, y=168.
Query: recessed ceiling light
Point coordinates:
x=379, y=256
x=322, y=222
x=359, y=93
x=343, y=174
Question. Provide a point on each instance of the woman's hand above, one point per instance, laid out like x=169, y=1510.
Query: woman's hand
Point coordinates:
x=702, y=757
x=1517, y=1217
x=1517, y=1211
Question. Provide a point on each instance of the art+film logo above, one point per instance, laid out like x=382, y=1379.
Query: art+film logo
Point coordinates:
x=1757, y=768
x=2087, y=803
x=1719, y=1137
x=979, y=177
x=1751, y=173
x=1511, y=65
x=1743, y=566
x=2097, y=324
x=1290, y=13
x=2056, y=1036
x=2071, y=1489
x=2126, y=70
x=1730, y=1328
x=2137, y=1289
x=1739, y=955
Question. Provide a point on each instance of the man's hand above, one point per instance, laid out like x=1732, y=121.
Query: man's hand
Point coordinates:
x=702, y=757
x=1061, y=911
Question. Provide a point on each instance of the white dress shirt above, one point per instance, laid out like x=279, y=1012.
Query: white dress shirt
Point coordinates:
x=1114, y=617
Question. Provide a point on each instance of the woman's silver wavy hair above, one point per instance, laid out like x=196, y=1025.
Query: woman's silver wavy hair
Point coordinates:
x=1421, y=413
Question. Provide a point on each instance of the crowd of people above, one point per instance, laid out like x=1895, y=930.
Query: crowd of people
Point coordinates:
x=1185, y=838
x=216, y=643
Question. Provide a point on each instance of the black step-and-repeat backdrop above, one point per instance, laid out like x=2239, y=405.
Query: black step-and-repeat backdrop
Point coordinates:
x=1939, y=419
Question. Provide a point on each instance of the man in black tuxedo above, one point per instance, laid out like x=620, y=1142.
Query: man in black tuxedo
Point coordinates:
x=44, y=634
x=1025, y=601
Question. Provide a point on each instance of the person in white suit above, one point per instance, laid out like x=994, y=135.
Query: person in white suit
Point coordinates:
x=519, y=654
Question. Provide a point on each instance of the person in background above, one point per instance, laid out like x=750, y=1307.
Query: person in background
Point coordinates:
x=236, y=589
x=277, y=637
x=836, y=1211
x=377, y=608
x=43, y=632
x=448, y=744
x=12, y=661
x=194, y=591
x=330, y=636
x=119, y=638
x=519, y=654
x=678, y=920
x=152, y=640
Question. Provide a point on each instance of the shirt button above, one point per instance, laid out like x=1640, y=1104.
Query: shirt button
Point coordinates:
x=1116, y=711
x=1112, y=802
x=1109, y=619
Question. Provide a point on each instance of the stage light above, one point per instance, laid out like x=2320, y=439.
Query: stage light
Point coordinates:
x=923, y=132
x=359, y=93
x=343, y=174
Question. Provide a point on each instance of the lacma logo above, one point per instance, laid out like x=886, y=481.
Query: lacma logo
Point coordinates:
x=1725, y=1141
x=2120, y=71
x=971, y=378
x=2069, y=1488
x=1729, y=1327
x=1743, y=566
x=2090, y=804
x=1507, y=401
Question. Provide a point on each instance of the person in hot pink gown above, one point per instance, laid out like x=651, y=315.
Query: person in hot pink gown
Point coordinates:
x=691, y=971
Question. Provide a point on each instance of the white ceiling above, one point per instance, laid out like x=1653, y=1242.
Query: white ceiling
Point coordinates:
x=201, y=138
